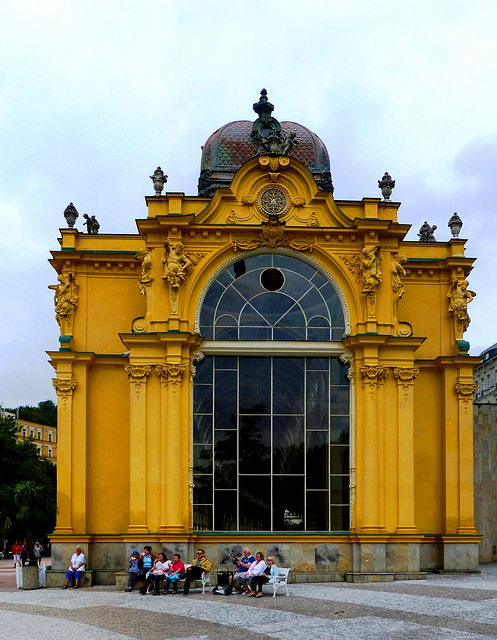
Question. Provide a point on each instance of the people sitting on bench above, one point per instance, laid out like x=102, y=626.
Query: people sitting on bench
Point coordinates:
x=199, y=565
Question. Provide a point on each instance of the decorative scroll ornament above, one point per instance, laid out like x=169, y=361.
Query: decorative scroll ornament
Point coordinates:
x=460, y=296
x=138, y=374
x=64, y=388
x=273, y=235
x=373, y=375
x=465, y=392
x=405, y=378
x=397, y=271
x=353, y=264
x=145, y=257
x=66, y=300
x=197, y=357
x=171, y=374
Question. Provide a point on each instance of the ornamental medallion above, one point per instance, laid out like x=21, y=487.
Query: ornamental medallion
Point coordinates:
x=273, y=202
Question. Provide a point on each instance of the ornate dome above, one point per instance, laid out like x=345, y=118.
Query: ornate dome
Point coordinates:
x=235, y=143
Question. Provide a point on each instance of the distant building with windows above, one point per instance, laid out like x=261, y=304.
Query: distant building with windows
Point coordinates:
x=44, y=437
x=486, y=377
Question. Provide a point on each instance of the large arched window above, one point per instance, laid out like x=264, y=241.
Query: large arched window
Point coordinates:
x=271, y=432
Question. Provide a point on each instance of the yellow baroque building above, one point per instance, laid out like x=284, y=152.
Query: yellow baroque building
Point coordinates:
x=262, y=365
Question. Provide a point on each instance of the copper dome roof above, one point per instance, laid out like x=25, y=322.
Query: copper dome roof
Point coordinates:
x=233, y=144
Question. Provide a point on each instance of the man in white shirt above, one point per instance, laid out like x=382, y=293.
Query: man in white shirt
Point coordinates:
x=76, y=568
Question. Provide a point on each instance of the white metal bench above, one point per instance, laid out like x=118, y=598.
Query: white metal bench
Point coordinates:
x=280, y=582
x=205, y=578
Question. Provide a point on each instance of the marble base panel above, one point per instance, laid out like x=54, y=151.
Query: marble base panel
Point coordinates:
x=57, y=578
x=309, y=562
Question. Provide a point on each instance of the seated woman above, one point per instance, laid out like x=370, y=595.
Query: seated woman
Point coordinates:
x=268, y=575
x=160, y=568
x=255, y=570
x=176, y=572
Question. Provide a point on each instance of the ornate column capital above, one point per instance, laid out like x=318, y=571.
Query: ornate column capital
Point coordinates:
x=138, y=374
x=465, y=392
x=171, y=373
x=405, y=377
x=64, y=388
x=372, y=375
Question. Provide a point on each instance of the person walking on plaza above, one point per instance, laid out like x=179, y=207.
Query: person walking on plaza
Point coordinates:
x=76, y=568
x=16, y=553
x=199, y=565
x=38, y=550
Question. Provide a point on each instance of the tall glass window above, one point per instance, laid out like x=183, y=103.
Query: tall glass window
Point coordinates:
x=271, y=433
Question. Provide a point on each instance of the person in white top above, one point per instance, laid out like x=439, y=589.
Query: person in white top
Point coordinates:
x=256, y=568
x=76, y=568
x=160, y=570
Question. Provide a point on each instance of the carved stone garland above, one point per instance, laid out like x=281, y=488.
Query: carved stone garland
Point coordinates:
x=373, y=375
x=138, y=374
x=171, y=374
x=465, y=393
x=64, y=388
x=406, y=377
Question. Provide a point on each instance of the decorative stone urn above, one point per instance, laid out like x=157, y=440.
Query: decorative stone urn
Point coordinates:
x=71, y=215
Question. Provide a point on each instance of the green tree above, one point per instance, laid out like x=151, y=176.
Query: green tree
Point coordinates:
x=27, y=487
x=44, y=413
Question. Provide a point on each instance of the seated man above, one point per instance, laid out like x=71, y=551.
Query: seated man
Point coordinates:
x=76, y=568
x=199, y=565
x=243, y=563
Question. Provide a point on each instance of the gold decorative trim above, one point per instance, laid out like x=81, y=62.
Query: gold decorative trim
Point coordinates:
x=353, y=264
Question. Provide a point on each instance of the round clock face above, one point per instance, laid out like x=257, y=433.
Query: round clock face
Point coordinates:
x=273, y=202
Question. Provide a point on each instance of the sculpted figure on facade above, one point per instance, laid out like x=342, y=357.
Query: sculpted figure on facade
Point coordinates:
x=460, y=296
x=398, y=272
x=92, y=224
x=426, y=232
x=371, y=268
x=145, y=280
x=175, y=263
x=66, y=300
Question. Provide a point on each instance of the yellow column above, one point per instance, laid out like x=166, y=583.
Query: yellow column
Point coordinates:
x=64, y=388
x=466, y=389
x=370, y=426
x=405, y=402
x=173, y=492
x=138, y=451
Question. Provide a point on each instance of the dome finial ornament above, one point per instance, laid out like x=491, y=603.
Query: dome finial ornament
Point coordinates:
x=263, y=108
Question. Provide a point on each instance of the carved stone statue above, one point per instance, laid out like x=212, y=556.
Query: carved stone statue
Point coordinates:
x=159, y=179
x=92, y=224
x=371, y=268
x=386, y=184
x=460, y=296
x=397, y=270
x=65, y=299
x=175, y=263
x=426, y=233
x=145, y=280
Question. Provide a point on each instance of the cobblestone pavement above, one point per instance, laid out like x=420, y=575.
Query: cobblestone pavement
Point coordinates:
x=449, y=607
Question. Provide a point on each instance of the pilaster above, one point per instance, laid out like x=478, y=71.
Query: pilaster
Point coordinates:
x=138, y=375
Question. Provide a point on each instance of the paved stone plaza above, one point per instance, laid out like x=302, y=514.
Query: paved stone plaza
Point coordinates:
x=450, y=607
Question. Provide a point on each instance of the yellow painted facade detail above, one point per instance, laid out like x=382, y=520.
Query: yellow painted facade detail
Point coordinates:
x=125, y=370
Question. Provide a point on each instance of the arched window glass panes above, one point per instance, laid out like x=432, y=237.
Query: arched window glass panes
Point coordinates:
x=271, y=297
x=271, y=444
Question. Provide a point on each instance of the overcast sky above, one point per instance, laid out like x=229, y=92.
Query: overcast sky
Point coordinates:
x=94, y=95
